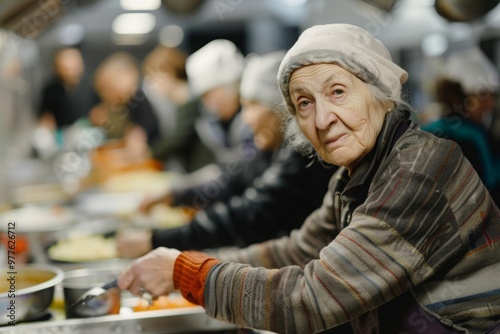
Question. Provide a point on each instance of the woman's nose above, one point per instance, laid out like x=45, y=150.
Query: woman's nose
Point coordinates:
x=325, y=115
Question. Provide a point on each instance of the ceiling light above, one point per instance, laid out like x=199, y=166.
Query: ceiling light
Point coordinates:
x=434, y=45
x=140, y=4
x=294, y=3
x=134, y=23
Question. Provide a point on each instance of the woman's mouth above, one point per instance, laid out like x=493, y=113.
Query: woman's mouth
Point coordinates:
x=334, y=140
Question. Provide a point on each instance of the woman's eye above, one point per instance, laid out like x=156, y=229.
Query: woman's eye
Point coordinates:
x=304, y=104
x=338, y=92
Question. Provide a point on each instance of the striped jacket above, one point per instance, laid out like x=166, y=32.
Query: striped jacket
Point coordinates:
x=413, y=217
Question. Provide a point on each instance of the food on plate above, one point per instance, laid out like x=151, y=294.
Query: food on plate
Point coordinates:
x=163, y=302
x=137, y=181
x=165, y=216
x=124, y=205
x=114, y=158
x=44, y=193
x=83, y=248
x=38, y=218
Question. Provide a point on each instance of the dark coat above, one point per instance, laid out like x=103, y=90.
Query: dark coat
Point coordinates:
x=276, y=202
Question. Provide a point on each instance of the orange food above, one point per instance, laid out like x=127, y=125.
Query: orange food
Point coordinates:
x=17, y=245
x=162, y=303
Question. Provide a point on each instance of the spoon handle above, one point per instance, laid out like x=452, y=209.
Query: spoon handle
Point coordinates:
x=110, y=285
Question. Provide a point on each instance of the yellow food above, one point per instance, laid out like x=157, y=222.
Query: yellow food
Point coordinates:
x=83, y=248
x=24, y=280
x=145, y=182
x=164, y=216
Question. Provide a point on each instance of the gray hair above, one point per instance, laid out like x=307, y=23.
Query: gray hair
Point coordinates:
x=295, y=138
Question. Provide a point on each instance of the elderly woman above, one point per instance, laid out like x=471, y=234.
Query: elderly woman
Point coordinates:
x=406, y=240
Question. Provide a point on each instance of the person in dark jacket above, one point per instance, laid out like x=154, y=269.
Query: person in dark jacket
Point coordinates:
x=165, y=83
x=124, y=105
x=286, y=186
x=229, y=178
x=66, y=97
x=183, y=144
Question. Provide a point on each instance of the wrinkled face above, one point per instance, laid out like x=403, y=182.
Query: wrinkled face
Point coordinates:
x=265, y=124
x=336, y=112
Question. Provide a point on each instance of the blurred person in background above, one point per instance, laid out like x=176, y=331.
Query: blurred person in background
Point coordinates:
x=124, y=112
x=165, y=84
x=279, y=187
x=212, y=117
x=407, y=239
x=468, y=91
x=17, y=117
x=66, y=98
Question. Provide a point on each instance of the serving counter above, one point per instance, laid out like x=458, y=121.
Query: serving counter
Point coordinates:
x=187, y=320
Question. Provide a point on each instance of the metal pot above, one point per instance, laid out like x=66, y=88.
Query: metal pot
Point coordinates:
x=79, y=281
x=27, y=292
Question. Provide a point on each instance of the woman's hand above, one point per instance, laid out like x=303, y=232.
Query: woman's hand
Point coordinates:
x=154, y=273
x=132, y=244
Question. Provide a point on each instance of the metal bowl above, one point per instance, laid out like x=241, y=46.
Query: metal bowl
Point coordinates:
x=27, y=292
x=79, y=281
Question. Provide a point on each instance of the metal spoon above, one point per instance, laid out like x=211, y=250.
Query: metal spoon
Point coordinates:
x=93, y=298
x=96, y=299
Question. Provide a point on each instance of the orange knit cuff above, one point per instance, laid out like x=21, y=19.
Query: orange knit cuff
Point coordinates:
x=190, y=273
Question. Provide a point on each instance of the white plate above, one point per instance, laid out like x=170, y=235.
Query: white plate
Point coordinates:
x=110, y=204
x=37, y=219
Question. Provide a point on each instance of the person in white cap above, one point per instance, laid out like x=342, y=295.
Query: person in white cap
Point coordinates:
x=407, y=239
x=467, y=90
x=214, y=74
x=208, y=128
x=280, y=188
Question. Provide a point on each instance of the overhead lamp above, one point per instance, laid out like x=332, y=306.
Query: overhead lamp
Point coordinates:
x=294, y=3
x=434, y=45
x=140, y=4
x=134, y=24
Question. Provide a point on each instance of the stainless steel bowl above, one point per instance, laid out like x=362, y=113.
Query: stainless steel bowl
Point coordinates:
x=27, y=292
x=79, y=281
